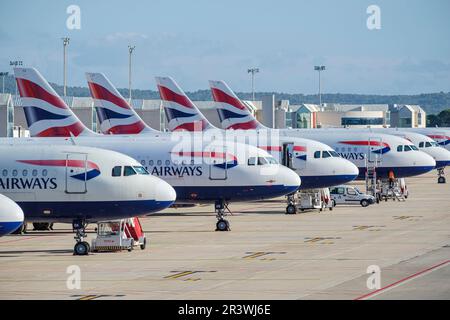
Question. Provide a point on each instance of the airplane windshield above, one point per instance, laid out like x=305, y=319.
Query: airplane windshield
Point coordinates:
x=271, y=160
x=140, y=170
x=334, y=153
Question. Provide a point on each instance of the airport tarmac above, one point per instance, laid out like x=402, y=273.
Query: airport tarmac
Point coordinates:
x=267, y=255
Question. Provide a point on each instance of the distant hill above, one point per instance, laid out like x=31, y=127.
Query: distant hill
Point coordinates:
x=433, y=103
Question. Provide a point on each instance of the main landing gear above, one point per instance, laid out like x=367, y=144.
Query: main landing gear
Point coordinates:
x=222, y=224
x=441, y=177
x=82, y=247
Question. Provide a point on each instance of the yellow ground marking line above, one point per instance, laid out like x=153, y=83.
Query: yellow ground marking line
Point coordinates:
x=255, y=255
x=179, y=275
x=90, y=297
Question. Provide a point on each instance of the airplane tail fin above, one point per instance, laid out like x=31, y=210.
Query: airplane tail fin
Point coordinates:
x=115, y=114
x=47, y=115
x=182, y=114
x=233, y=113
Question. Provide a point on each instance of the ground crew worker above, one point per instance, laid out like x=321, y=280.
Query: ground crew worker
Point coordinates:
x=391, y=179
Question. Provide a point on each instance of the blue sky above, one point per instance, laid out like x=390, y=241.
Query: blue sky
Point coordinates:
x=194, y=41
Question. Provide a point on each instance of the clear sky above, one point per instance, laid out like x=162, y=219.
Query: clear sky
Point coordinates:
x=194, y=41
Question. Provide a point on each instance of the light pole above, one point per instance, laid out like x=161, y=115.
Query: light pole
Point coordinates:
x=319, y=69
x=3, y=75
x=253, y=71
x=16, y=63
x=130, y=51
x=66, y=41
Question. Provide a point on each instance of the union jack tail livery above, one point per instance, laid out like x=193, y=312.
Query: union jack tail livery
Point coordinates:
x=46, y=113
x=114, y=113
x=233, y=113
x=181, y=112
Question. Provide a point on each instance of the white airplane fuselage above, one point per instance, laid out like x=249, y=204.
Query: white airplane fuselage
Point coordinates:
x=62, y=183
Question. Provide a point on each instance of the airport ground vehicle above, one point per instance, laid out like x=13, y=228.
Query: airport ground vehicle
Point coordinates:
x=345, y=194
x=312, y=199
x=117, y=235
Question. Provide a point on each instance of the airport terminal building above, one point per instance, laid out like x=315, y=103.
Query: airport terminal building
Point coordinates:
x=269, y=111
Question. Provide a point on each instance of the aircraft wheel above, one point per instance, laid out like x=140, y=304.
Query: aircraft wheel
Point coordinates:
x=441, y=180
x=291, y=209
x=222, y=225
x=81, y=248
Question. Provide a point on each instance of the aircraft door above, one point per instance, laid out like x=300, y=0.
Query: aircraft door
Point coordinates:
x=374, y=151
x=218, y=169
x=287, y=155
x=76, y=173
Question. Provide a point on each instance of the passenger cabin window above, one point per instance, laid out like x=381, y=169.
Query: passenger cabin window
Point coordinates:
x=128, y=171
x=117, y=171
x=251, y=161
x=317, y=155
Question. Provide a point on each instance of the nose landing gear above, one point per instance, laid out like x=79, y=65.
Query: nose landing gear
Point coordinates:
x=222, y=224
x=82, y=247
x=441, y=177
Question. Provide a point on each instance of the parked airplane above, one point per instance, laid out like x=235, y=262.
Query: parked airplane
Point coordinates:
x=199, y=170
x=11, y=216
x=362, y=148
x=78, y=185
x=116, y=115
x=421, y=141
x=440, y=135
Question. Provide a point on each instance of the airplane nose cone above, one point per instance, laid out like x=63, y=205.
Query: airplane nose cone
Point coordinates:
x=165, y=193
x=291, y=181
x=423, y=163
x=349, y=173
x=11, y=215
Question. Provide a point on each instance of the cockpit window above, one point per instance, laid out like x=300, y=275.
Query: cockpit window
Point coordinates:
x=271, y=160
x=140, y=170
x=261, y=161
x=407, y=148
x=116, y=171
x=414, y=148
x=128, y=171
x=334, y=154
x=317, y=155
x=326, y=154
x=399, y=148
x=428, y=144
x=251, y=161
x=421, y=144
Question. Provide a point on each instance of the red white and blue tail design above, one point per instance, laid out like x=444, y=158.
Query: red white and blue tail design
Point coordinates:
x=233, y=113
x=114, y=113
x=46, y=113
x=181, y=113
